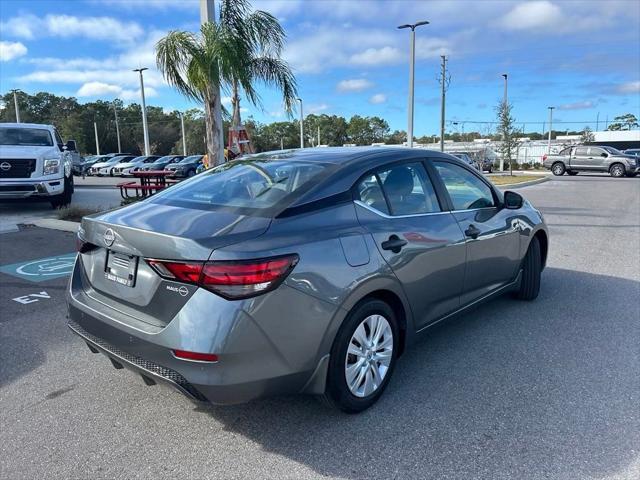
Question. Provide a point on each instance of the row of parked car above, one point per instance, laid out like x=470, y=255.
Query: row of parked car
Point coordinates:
x=123, y=164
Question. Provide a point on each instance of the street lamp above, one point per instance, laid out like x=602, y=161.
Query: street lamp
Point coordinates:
x=144, y=112
x=505, y=101
x=301, y=124
x=505, y=87
x=412, y=61
x=550, y=128
x=15, y=103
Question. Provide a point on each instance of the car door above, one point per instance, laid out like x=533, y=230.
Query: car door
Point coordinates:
x=492, y=233
x=580, y=158
x=420, y=240
x=597, y=159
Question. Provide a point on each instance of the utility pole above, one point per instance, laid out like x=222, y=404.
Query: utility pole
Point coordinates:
x=115, y=112
x=597, y=121
x=550, y=128
x=184, y=139
x=412, y=64
x=15, y=103
x=145, y=128
x=443, y=84
x=301, y=125
x=281, y=143
x=318, y=135
x=95, y=130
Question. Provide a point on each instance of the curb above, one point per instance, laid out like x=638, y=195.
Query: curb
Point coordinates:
x=106, y=187
x=53, y=224
x=524, y=184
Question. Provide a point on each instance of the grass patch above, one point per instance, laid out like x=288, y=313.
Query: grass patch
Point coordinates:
x=508, y=179
x=75, y=214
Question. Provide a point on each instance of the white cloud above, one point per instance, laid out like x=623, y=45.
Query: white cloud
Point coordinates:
x=378, y=98
x=629, y=87
x=30, y=26
x=378, y=56
x=11, y=50
x=577, y=106
x=531, y=15
x=101, y=89
x=226, y=101
x=316, y=108
x=354, y=85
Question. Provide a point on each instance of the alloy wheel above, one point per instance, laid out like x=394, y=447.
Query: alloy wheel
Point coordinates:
x=369, y=355
x=617, y=171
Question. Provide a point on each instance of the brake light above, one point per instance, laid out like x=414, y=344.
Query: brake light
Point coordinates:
x=544, y=157
x=233, y=279
x=199, y=357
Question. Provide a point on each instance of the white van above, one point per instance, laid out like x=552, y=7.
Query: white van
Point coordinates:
x=35, y=163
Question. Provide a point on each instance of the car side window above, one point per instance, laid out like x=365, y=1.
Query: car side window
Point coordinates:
x=370, y=193
x=408, y=190
x=581, y=152
x=595, y=152
x=58, y=138
x=465, y=189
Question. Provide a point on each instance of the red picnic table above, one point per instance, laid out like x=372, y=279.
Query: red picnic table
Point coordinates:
x=150, y=182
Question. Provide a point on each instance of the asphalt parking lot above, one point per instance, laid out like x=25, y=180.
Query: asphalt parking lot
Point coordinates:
x=542, y=390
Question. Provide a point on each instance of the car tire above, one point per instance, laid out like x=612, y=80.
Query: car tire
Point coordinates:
x=573, y=173
x=617, y=170
x=338, y=393
x=531, y=272
x=191, y=173
x=64, y=198
x=558, y=169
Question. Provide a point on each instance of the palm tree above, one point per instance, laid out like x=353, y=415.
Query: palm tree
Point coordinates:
x=241, y=49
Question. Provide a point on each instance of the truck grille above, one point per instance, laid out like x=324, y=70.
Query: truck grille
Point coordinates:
x=17, y=168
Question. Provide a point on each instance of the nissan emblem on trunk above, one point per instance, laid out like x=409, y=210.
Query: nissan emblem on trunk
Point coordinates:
x=109, y=237
x=5, y=166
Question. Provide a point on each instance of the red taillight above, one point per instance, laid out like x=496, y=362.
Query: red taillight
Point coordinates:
x=199, y=357
x=544, y=157
x=230, y=279
x=183, y=272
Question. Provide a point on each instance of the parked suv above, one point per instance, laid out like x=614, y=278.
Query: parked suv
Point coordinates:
x=305, y=271
x=35, y=163
x=590, y=158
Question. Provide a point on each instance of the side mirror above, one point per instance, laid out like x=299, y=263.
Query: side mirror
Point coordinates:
x=71, y=145
x=513, y=200
x=605, y=155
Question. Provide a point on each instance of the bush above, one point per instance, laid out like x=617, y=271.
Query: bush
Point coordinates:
x=75, y=213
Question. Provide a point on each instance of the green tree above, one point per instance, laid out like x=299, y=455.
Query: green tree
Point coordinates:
x=628, y=121
x=587, y=136
x=507, y=132
x=232, y=54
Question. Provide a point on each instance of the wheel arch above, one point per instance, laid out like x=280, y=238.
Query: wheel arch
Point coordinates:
x=543, y=238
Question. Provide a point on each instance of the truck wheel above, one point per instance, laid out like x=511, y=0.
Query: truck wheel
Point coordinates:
x=617, y=170
x=531, y=270
x=363, y=357
x=64, y=198
x=558, y=169
x=573, y=173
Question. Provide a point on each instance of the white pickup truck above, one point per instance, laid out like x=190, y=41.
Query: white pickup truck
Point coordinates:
x=35, y=163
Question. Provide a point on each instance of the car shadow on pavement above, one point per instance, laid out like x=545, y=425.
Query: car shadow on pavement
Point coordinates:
x=543, y=389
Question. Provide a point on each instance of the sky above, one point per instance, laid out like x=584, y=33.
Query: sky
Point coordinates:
x=580, y=56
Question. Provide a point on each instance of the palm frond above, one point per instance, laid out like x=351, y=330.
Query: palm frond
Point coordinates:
x=174, y=55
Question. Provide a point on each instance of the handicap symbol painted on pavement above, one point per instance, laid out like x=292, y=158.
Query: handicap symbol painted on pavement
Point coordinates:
x=42, y=269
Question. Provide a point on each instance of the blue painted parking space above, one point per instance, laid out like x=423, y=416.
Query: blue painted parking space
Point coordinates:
x=41, y=269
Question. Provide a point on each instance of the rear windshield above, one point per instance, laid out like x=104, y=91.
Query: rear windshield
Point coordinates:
x=257, y=186
x=33, y=137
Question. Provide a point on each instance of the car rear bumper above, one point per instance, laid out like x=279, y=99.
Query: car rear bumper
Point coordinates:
x=251, y=364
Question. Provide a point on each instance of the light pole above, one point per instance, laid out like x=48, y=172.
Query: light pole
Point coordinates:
x=15, y=103
x=412, y=62
x=506, y=82
x=115, y=112
x=184, y=139
x=95, y=131
x=550, y=128
x=301, y=124
x=144, y=112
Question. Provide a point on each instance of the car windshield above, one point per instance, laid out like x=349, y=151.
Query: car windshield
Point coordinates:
x=33, y=137
x=256, y=186
x=164, y=159
x=190, y=158
x=612, y=150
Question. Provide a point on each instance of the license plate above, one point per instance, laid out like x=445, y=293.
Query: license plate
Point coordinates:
x=121, y=268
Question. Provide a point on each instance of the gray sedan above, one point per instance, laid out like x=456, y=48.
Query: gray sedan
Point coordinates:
x=302, y=271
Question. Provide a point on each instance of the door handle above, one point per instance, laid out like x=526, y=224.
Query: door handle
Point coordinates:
x=472, y=231
x=394, y=244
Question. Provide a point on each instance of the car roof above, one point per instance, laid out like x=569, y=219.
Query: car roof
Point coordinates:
x=27, y=125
